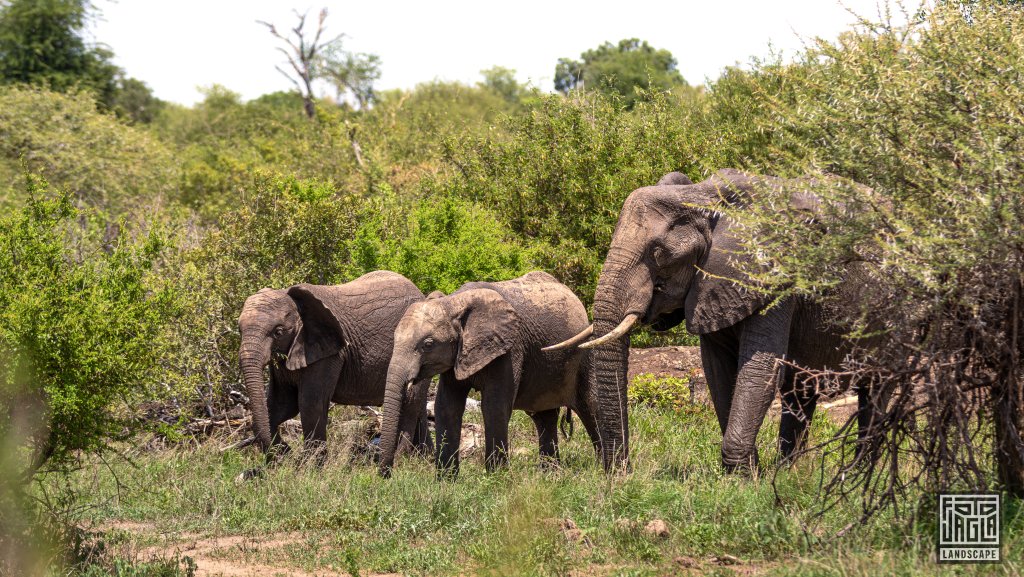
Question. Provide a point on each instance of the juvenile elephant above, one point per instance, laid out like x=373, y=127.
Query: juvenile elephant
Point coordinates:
x=488, y=336
x=327, y=343
x=670, y=259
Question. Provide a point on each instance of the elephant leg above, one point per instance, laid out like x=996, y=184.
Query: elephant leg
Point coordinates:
x=719, y=357
x=314, y=402
x=547, y=436
x=282, y=404
x=763, y=341
x=871, y=408
x=449, y=407
x=799, y=399
x=496, y=400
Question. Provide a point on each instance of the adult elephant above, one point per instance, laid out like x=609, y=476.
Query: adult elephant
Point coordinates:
x=323, y=344
x=672, y=258
x=488, y=336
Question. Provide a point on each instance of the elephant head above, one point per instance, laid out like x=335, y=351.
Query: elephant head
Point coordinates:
x=663, y=239
x=464, y=332
x=296, y=327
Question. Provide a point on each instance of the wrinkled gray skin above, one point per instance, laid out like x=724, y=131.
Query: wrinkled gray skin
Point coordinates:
x=330, y=344
x=488, y=336
x=664, y=234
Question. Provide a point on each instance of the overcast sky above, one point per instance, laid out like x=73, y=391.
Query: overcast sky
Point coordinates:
x=177, y=47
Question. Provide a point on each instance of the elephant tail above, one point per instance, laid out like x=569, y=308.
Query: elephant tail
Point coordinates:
x=567, y=424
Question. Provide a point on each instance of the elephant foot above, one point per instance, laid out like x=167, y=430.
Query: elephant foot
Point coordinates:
x=744, y=466
x=249, y=474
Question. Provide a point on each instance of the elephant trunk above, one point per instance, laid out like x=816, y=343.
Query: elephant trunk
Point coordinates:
x=622, y=290
x=398, y=380
x=252, y=360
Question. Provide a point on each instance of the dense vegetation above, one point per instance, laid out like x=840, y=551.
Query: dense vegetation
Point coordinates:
x=135, y=230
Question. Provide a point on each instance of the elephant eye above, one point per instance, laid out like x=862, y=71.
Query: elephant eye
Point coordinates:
x=428, y=343
x=278, y=331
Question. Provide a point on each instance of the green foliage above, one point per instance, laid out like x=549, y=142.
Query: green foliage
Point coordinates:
x=667, y=393
x=351, y=73
x=41, y=42
x=77, y=325
x=630, y=70
x=502, y=81
x=63, y=138
x=557, y=174
x=444, y=243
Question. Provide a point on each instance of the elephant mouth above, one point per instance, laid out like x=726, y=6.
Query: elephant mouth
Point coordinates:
x=666, y=321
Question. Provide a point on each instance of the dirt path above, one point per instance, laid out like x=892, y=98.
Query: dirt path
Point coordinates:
x=219, y=556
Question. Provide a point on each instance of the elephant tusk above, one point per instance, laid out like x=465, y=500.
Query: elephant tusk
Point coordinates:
x=582, y=336
x=620, y=330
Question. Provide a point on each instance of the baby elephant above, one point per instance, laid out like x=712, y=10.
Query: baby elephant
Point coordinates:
x=488, y=336
x=324, y=344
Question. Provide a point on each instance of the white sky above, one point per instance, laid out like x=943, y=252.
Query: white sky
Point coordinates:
x=176, y=47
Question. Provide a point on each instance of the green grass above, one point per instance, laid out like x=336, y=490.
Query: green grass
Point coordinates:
x=346, y=518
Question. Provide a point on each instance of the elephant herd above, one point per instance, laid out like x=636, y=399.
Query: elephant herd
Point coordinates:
x=526, y=343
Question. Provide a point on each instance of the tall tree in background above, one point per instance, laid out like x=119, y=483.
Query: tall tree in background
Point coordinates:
x=619, y=69
x=41, y=42
x=352, y=73
x=302, y=54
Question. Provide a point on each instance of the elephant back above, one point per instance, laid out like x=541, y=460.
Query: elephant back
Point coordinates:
x=548, y=310
x=369, y=309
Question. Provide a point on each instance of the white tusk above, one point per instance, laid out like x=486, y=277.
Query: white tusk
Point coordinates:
x=582, y=336
x=620, y=330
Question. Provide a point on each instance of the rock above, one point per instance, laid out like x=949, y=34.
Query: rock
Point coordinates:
x=657, y=528
x=249, y=474
x=726, y=559
x=686, y=562
x=626, y=525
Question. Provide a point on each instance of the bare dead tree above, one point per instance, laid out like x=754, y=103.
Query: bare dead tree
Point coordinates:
x=302, y=54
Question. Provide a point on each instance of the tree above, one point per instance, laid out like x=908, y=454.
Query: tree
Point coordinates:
x=619, y=69
x=302, y=55
x=502, y=81
x=349, y=72
x=41, y=42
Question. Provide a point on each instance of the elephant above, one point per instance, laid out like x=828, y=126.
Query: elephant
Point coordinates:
x=323, y=344
x=488, y=336
x=671, y=259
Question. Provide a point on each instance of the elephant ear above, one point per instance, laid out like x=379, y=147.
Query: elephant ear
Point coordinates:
x=488, y=324
x=720, y=295
x=320, y=335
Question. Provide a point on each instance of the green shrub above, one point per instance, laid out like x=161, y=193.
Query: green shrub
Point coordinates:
x=670, y=393
x=443, y=243
x=99, y=159
x=77, y=325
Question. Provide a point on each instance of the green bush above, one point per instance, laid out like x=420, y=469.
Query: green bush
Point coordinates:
x=96, y=157
x=444, y=243
x=77, y=324
x=669, y=393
